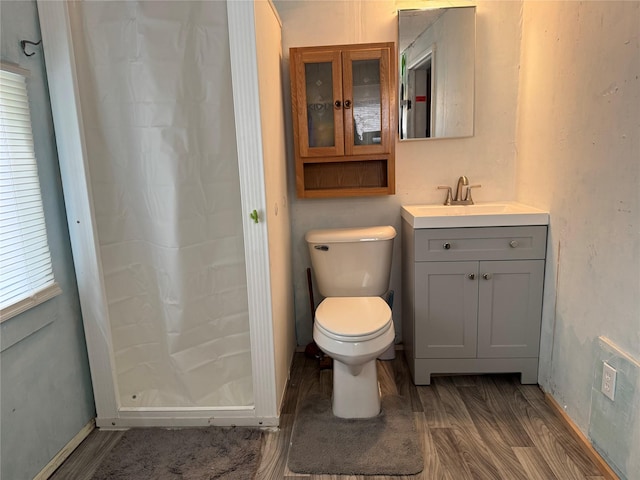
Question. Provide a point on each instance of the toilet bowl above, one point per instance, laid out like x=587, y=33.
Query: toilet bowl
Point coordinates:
x=353, y=324
x=354, y=345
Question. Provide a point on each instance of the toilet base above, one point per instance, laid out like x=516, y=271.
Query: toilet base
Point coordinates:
x=355, y=396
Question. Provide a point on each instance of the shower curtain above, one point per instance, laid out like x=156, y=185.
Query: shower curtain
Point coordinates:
x=156, y=99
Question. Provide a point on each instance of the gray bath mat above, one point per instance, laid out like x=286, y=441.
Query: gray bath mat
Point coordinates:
x=190, y=453
x=384, y=445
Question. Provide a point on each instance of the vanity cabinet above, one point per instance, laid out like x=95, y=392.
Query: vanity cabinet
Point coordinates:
x=343, y=110
x=472, y=300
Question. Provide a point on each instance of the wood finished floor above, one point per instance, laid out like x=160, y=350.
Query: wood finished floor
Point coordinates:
x=473, y=427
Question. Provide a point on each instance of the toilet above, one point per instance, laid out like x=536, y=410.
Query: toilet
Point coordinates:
x=353, y=324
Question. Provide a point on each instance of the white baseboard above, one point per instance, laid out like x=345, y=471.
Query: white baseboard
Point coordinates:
x=67, y=450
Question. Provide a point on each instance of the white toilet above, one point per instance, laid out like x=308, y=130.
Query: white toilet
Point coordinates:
x=353, y=324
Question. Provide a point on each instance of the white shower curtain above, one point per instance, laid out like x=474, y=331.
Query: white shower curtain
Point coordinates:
x=155, y=90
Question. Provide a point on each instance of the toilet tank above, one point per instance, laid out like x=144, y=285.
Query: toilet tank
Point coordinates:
x=351, y=262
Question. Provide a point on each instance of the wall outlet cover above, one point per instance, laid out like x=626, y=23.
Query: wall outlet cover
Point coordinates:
x=608, y=386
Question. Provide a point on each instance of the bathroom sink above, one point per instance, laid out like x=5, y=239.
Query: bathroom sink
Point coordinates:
x=496, y=214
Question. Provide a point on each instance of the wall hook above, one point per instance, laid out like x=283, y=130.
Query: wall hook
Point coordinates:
x=23, y=44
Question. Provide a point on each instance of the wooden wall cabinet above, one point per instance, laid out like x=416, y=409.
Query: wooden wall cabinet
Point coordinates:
x=472, y=300
x=343, y=101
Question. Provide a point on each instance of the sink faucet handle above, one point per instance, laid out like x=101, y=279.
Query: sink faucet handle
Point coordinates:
x=449, y=198
x=468, y=193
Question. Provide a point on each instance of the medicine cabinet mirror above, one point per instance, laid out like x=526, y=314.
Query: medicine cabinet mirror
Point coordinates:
x=436, y=65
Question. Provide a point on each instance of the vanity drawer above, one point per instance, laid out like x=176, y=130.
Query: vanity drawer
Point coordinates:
x=480, y=243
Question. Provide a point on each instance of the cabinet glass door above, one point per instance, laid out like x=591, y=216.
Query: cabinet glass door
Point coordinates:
x=366, y=101
x=319, y=108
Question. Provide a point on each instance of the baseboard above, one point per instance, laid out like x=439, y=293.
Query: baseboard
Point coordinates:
x=67, y=450
x=584, y=442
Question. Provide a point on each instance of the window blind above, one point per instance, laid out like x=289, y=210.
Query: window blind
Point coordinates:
x=26, y=276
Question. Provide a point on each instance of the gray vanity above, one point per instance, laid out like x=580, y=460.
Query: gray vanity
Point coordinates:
x=472, y=287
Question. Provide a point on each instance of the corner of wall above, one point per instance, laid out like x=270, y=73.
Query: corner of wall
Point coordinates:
x=519, y=95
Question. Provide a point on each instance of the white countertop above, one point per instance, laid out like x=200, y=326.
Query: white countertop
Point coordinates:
x=494, y=214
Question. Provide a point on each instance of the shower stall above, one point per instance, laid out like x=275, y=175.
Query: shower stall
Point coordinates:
x=170, y=134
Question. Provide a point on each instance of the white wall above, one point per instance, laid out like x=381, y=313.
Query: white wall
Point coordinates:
x=268, y=43
x=487, y=158
x=579, y=157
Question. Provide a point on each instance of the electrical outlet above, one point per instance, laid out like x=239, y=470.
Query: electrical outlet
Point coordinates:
x=608, y=380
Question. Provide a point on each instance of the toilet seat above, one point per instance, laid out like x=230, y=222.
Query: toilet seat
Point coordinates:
x=353, y=319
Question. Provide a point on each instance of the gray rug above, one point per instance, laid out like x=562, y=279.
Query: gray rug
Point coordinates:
x=186, y=454
x=384, y=445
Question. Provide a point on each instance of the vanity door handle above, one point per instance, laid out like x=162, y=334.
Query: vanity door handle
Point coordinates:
x=347, y=104
x=471, y=276
x=446, y=245
x=337, y=104
x=487, y=276
x=513, y=243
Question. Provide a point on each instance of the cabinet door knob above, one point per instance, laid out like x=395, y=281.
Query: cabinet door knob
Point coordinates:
x=446, y=245
x=472, y=276
x=338, y=104
x=487, y=276
x=513, y=243
x=347, y=104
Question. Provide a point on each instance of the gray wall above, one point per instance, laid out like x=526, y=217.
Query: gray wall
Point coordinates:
x=45, y=390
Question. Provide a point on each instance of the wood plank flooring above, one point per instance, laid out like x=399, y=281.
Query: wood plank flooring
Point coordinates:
x=473, y=427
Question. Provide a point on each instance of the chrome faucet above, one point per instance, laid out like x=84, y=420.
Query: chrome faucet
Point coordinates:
x=463, y=181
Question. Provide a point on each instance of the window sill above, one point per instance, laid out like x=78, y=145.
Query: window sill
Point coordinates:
x=39, y=297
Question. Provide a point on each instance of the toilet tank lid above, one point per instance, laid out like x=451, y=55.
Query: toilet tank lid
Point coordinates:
x=339, y=235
